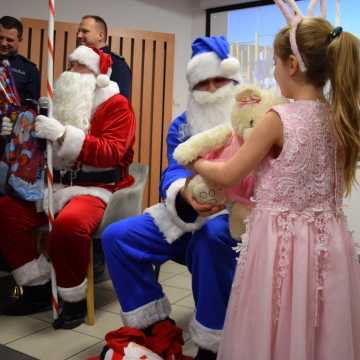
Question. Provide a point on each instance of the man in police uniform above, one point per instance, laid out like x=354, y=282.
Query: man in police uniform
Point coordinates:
x=26, y=75
x=93, y=32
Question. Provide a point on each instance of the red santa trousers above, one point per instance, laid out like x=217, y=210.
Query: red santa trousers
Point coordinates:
x=68, y=243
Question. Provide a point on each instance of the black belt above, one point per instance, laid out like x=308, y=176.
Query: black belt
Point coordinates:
x=73, y=177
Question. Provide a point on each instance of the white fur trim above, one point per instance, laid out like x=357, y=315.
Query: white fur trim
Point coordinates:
x=109, y=354
x=204, y=337
x=105, y=93
x=102, y=80
x=74, y=294
x=35, y=272
x=147, y=314
x=134, y=351
x=200, y=144
x=72, y=144
x=208, y=65
x=86, y=56
x=230, y=66
x=171, y=194
x=89, y=168
x=165, y=222
x=64, y=195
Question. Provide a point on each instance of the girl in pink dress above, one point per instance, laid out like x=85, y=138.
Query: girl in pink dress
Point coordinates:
x=296, y=293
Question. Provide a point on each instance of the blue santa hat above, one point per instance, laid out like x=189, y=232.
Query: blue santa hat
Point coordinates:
x=211, y=58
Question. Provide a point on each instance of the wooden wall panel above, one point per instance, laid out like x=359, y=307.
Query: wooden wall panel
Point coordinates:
x=157, y=118
x=136, y=68
x=150, y=56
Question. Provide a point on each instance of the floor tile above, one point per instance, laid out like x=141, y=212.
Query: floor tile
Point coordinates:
x=103, y=296
x=105, y=285
x=174, y=293
x=181, y=281
x=15, y=327
x=173, y=267
x=34, y=335
x=104, y=322
x=187, y=302
x=113, y=307
x=163, y=276
x=44, y=316
x=11, y=354
x=94, y=350
x=181, y=315
x=50, y=344
x=190, y=349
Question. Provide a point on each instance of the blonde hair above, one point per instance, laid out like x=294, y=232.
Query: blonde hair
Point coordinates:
x=336, y=59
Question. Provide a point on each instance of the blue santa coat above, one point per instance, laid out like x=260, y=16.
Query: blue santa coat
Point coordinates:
x=178, y=133
x=133, y=245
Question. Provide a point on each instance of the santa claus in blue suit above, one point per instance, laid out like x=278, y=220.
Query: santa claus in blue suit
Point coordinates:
x=179, y=228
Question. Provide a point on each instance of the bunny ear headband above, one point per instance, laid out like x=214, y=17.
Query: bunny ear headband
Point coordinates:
x=293, y=15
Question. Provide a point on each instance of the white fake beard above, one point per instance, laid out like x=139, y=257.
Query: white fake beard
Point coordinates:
x=73, y=99
x=207, y=110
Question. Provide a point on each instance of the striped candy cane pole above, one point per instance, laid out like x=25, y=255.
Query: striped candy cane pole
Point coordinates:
x=49, y=153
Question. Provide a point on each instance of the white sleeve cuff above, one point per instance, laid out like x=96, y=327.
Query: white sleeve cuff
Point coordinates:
x=171, y=195
x=72, y=144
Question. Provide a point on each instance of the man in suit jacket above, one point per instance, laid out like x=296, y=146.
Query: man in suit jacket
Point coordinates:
x=93, y=32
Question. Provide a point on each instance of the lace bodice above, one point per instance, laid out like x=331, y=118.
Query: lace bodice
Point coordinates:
x=304, y=175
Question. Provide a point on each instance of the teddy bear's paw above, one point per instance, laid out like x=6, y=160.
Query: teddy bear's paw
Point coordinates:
x=205, y=193
x=202, y=143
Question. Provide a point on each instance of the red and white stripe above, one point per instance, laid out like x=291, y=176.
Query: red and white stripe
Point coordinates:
x=49, y=153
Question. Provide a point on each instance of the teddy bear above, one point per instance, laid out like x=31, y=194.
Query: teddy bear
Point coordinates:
x=220, y=143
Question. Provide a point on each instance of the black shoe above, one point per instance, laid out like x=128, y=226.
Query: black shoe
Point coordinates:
x=32, y=300
x=204, y=354
x=71, y=316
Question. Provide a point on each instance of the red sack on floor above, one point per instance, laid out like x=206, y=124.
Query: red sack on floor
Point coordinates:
x=165, y=342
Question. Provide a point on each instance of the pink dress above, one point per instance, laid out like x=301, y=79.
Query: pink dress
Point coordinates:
x=296, y=293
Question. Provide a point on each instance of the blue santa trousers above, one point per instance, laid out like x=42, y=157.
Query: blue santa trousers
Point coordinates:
x=132, y=246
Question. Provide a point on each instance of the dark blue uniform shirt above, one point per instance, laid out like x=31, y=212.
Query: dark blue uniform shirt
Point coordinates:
x=26, y=77
x=120, y=73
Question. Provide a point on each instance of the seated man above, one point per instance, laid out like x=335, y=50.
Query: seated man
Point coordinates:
x=180, y=228
x=93, y=139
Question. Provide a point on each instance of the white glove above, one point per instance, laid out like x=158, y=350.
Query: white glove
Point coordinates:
x=6, y=126
x=48, y=128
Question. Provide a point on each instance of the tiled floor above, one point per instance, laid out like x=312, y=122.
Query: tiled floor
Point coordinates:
x=33, y=335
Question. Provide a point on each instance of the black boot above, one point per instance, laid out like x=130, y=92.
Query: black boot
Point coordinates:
x=32, y=300
x=71, y=316
x=204, y=354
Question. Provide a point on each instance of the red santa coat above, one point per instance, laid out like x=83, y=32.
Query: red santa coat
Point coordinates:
x=107, y=144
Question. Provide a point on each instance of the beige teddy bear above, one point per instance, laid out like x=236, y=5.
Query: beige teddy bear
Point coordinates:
x=220, y=143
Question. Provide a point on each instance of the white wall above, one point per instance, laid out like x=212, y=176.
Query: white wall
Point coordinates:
x=352, y=209
x=183, y=18
x=207, y=4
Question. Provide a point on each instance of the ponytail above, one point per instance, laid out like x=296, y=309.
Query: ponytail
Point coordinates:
x=344, y=74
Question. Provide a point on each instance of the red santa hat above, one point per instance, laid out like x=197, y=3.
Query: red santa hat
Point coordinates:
x=96, y=60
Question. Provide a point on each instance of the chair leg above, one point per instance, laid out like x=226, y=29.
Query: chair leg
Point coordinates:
x=90, y=302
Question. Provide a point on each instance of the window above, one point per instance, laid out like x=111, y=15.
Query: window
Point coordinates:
x=251, y=28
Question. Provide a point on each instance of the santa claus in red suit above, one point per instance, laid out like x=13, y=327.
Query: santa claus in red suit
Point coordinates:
x=92, y=132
